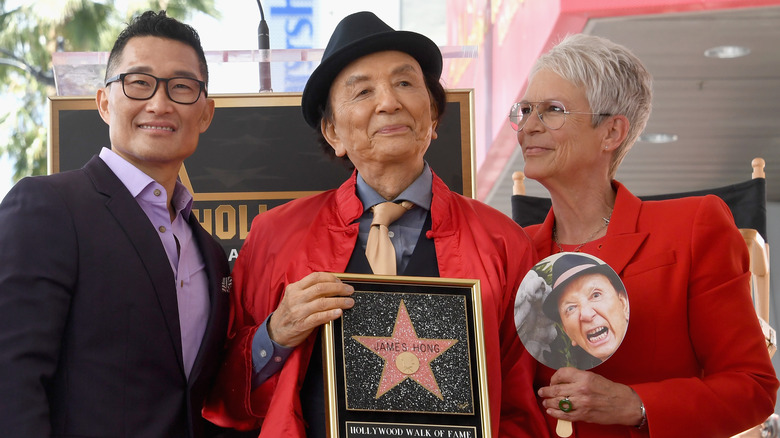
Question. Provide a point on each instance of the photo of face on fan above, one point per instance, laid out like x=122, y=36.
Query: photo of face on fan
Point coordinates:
x=572, y=310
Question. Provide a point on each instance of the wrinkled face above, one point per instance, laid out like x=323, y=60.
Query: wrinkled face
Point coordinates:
x=156, y=133
x=573, y=148
x=382, y=112
x=594, y=314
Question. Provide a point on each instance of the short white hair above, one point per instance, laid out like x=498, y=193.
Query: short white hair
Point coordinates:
x=615, y=82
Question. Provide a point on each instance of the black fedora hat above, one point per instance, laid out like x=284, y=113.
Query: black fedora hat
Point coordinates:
x=569, y=267
x=357, y=35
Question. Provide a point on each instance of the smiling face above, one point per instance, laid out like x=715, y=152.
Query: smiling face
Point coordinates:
x=155, y=135
x=573, y=150
x=594, y=315
x=382, y=113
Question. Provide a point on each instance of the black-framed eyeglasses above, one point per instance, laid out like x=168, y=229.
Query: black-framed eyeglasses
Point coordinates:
x=142, y=86
x=551, y=113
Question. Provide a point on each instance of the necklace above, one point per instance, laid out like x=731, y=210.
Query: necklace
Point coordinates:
x=589, y=239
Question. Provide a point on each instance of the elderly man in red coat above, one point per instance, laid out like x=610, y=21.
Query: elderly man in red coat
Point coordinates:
x=376, y=100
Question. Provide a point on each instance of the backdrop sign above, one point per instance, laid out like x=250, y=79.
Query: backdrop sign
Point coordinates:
x=257, y=154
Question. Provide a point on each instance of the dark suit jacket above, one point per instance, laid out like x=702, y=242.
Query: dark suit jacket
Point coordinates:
x=90, y=343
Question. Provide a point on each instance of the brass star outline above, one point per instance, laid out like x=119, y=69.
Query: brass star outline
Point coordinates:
x=405, y=342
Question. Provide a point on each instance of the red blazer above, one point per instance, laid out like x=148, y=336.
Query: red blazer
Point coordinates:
x=319, y=233
x=694, y=351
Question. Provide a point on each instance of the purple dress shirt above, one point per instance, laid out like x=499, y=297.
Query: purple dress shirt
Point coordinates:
x=176, y=236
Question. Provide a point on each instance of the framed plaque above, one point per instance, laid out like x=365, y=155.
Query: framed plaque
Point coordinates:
x=408, y=360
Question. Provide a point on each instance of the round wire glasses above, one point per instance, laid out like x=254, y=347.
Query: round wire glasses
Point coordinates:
x=551, y=113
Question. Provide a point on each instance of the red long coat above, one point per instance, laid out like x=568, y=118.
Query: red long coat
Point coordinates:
x=694, y=351
x=319, y=233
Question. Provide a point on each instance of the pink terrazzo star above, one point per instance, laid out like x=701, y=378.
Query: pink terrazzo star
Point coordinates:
x=406, y=356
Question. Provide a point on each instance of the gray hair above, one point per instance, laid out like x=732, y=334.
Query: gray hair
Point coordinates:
x=614, y=79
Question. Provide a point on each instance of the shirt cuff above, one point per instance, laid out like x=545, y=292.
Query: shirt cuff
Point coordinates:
x=268, y=357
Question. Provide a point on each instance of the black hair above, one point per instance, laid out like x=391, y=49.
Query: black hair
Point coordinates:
x=160, y=25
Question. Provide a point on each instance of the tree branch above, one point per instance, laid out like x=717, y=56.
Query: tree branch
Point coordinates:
x=45, y=77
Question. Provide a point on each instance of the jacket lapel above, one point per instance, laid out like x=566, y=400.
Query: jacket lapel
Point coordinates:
x=622, y=240
x=141, y=234
x=340, y=240
x=216, y=269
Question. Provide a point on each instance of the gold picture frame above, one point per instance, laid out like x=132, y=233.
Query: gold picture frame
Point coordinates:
x=408, y=358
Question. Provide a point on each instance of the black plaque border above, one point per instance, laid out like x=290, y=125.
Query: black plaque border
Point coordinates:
x=339, y=417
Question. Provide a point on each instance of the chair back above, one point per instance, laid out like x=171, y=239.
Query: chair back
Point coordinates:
x=747, y=201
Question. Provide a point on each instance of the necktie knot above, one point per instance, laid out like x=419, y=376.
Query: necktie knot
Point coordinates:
x=386, y=213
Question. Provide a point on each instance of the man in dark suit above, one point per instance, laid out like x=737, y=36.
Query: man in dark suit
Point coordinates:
x=113, y=298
